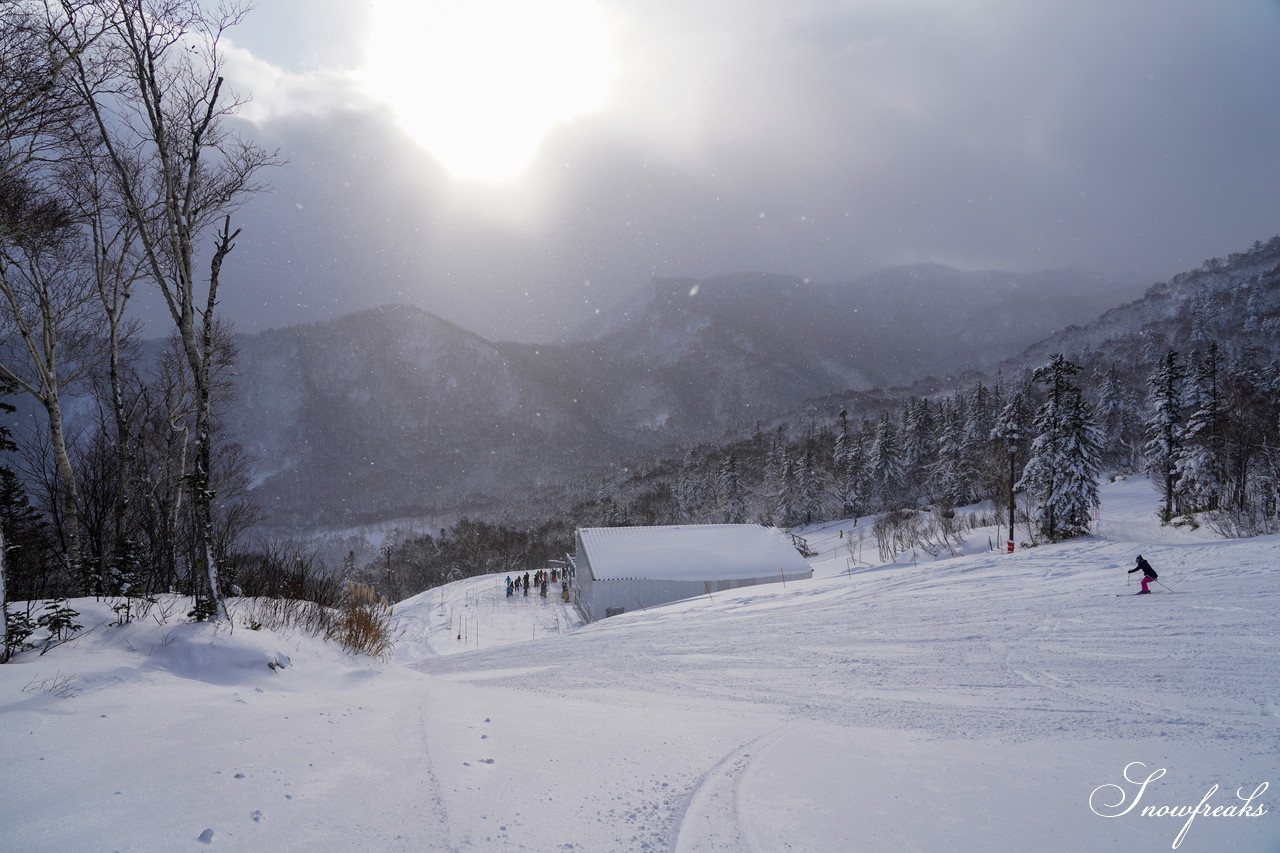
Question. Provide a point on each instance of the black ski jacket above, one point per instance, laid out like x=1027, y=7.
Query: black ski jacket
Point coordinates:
x=1146, y=569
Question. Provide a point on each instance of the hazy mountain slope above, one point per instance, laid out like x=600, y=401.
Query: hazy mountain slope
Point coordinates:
x=1211, y=301
x=971, y=319
x=702, y=356
x=887, y=328
x=1233, y=300
x=394, y=413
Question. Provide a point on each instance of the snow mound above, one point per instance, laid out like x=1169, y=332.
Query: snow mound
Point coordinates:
x=162, y=641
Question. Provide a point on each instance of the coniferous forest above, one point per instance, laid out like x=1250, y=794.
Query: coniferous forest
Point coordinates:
x=1190, y=399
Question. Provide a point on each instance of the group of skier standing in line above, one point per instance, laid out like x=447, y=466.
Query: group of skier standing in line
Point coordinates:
x=541, y=579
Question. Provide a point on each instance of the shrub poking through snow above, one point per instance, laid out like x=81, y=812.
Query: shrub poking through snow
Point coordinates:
x=59, y=620
x=283, y=614
x=20, y=627
x=365, y=622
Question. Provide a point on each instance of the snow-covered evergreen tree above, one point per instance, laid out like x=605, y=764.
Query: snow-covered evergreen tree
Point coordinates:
x=1198, y=466
x=850, y=457
x=1202, y=311
x=1164, y=429
x=784, y=494
x=773, y=478
x=689, y=487
x=886, y=462
x=1119, y=421
x=952, y=476
x=843, y=442
x=1251, y=445
x=733, y=502
x=980, y=415
x=22, y=542
x=1254, y=306
x=1063, y=470
x=920, y=451
x=611, y=513
x=808, y=489
x=840, y=456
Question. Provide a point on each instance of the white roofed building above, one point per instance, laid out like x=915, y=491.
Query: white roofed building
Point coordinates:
x=630, y=568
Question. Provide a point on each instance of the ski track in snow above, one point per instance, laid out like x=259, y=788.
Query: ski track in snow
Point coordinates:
x=429, y=793
x=807, y=673
x=713, y=818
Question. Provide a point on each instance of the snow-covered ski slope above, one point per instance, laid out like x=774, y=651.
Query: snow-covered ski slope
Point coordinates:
x=986, y=702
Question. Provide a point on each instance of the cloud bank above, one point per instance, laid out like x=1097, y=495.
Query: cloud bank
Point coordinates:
x=821, y=138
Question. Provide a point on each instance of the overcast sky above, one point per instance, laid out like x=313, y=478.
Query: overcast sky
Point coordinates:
x=514, y=174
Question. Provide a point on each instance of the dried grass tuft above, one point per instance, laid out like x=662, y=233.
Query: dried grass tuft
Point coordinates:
x=365, y=622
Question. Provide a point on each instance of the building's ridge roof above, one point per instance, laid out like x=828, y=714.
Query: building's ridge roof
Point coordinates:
x=690, y=552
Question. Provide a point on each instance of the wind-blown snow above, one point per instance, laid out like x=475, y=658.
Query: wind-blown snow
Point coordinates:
x=981, y=703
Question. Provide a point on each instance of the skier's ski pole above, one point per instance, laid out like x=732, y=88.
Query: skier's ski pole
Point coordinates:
x=1162, y=584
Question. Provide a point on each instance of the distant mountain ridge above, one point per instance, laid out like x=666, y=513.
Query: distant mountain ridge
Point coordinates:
x=1211, y=300
x=1233, y=300
x=395, y=413
x=854, y=331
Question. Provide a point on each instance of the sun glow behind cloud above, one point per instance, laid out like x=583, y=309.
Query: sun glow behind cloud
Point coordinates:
x=481, y=83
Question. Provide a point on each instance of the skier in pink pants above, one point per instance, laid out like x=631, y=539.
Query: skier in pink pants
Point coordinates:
x=1148, y=573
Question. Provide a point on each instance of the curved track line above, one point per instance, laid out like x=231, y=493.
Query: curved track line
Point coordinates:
x=711, y=820
x=435, y=813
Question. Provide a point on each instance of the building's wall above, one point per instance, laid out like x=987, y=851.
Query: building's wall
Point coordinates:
x=601, y=598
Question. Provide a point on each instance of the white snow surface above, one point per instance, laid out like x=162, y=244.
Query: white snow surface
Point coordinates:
x=985, y=702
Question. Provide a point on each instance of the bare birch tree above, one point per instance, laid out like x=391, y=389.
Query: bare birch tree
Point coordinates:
x=116, y=265
x=47, y=317
x=35, y=98
x=152, y=84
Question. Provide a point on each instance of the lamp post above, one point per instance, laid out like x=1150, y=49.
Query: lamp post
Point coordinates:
x=1013, y=479
x=386, y=551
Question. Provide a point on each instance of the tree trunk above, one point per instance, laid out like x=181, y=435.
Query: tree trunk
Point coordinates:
x=68, y=496
x=4, y=606
x=1013, y=479
x=123, y=460
x=41, y=334
x=202, y=503
x=201, y=357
